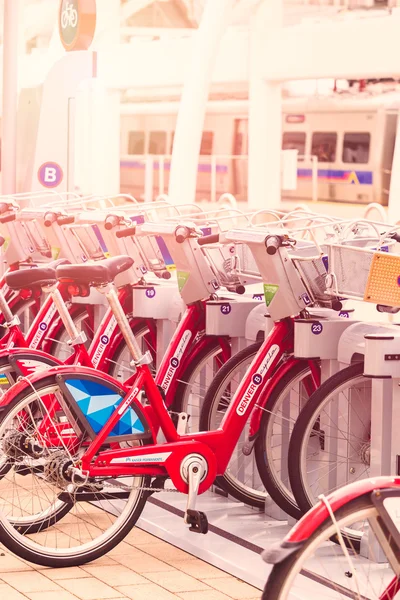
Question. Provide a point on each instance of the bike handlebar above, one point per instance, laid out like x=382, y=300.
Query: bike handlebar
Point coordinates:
x=65, y=220
x=208, y=239
x=111, y=222
x=273, y=243
x=128, y=232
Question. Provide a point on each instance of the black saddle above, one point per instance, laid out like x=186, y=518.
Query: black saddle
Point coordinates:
x=34, y=276
x=94, y=274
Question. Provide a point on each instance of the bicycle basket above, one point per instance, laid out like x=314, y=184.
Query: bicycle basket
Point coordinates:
x=350, y=266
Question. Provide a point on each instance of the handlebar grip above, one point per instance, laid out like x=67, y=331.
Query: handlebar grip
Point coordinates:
x=65, y=220
x=181, y=234
x=4, y=207
x=111, y=222
x=8, y=219
x=128, y=232
x=272, y=243
x=391, y=310
x=49, y=219
x=208, y=239
x=395, y=236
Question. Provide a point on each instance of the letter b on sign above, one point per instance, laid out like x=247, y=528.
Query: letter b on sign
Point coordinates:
x=50, y=175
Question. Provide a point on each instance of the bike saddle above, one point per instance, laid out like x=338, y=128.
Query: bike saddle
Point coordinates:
x=94, y=274
x=35, y=276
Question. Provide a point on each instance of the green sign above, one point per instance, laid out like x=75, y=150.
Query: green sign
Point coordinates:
x=269, y=292
x=183, y=276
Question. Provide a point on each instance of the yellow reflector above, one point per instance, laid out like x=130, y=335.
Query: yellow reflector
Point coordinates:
x=383, y=284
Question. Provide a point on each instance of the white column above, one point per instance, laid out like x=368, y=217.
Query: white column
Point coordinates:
x=105, y=105
x=265, y=113
x=394, y=192
x=10, y=96
x=189, y=128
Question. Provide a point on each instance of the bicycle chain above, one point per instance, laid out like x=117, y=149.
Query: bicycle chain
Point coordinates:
x=143, y=488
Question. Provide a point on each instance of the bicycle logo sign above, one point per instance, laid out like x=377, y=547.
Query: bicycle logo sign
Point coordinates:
x=77, y=23
x=69, y=16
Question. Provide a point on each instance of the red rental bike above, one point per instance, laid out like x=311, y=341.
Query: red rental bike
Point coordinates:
x=90, y=445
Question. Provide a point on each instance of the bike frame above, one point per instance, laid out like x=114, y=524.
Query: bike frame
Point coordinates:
x=216, y=446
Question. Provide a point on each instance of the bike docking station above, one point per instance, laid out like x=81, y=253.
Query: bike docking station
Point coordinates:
x=382, y=366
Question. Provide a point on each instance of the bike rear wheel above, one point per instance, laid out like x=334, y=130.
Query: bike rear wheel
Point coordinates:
x=45, y=519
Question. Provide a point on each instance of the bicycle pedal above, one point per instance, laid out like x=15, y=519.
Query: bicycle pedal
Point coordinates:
x=197, y=520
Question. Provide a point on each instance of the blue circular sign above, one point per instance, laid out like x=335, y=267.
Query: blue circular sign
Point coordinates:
x=257, y=379
x=150, y=292
x=226, y=309
x=104, y=339
x=43, y=326
x=344, y=314
x=174, y=362
x=316, y=328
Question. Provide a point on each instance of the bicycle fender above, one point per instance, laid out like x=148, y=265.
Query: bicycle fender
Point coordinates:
x=78, y=372
x=28, y=361
x=312, y=520
x=30, y=380
x=280, y=372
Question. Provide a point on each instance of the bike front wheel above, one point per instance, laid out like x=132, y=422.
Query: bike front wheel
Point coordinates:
x=45, y=519
x=330, y=443
x=320, y=568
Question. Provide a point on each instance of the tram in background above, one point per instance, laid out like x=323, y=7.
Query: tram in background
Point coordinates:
x=351, y=136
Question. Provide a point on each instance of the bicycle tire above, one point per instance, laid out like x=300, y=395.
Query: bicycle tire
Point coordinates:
x=280, y=580
x=298, y=478
x=209, y=351
x=17, y=539
x=273, y=485
x=224, y=481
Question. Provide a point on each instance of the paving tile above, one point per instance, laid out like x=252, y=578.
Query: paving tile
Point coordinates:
x=205, y=595
x=90, y=588
x=60, y=595
x=115, y=575
x=176, y=581
x=8, y=593
x=146, y=592
x=105, y=560
x=67, y=573
x=138, y=536
x=234, y=588
x=9, y=563
x=200, y=570
x=123, y=549
x=29, y=581
x=165, y=552
x=144, y=563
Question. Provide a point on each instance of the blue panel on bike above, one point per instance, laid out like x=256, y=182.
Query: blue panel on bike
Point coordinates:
x=325, y=261
x=97, y=402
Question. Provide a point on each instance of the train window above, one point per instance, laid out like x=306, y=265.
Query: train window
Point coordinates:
x=207, y=143
x=356, y=148
x=136, y=142
x=294, y=140
x=158, y=142
x=324, y=146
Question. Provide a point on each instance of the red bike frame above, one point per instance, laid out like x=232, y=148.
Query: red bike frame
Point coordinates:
x=165, y=459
